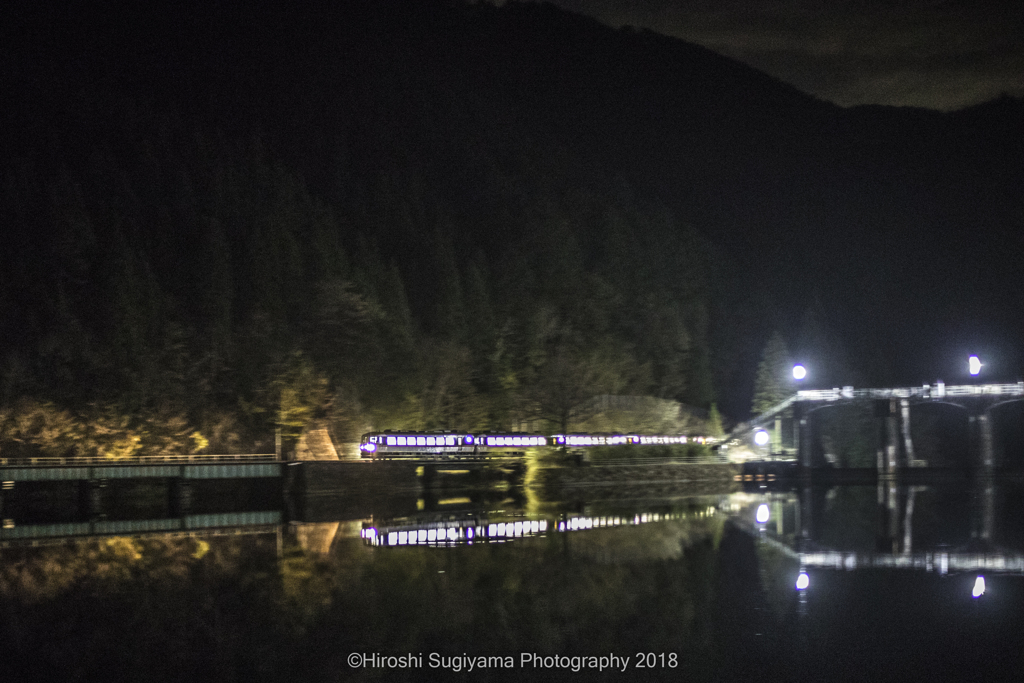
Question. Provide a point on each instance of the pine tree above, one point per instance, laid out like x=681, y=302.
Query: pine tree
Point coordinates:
x=715, y=422
x=772, y=384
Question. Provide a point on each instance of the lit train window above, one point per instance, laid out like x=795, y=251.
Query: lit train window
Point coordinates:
x=430, y=441
x=420, y=441
x=401, y=441
x=391, y=441
x=449, y=441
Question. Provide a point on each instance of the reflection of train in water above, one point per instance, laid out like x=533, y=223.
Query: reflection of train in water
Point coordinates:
x=462, y=445
x=499, y=527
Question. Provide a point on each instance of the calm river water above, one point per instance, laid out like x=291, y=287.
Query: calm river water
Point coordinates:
x=849, y=583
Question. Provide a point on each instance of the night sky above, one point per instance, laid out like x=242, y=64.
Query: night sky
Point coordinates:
x=936, y=54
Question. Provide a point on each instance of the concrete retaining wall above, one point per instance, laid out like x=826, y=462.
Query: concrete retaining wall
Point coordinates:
x=633, y=481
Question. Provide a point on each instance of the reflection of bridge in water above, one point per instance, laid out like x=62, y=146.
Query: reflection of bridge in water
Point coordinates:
x=806, y=527
x=224, y=523
x=892, y=410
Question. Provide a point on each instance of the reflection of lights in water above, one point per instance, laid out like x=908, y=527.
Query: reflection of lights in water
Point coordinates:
x=499, y=532
x=761, y=438
x=762, y=513
x=975, y=366
x=979, y=587
x=802, y=581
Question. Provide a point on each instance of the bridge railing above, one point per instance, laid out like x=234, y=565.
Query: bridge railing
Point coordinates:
x=924, y=391
x=164, y=459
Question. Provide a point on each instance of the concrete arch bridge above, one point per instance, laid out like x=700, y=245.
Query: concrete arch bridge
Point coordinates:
x=793, y=424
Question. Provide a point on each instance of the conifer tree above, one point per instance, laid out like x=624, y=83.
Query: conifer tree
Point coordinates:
x=772, y=384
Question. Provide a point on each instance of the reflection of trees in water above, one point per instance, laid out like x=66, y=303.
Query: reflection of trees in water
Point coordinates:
x=588, y=592
x=126, y=609
x=230, y=608
x=643, y=543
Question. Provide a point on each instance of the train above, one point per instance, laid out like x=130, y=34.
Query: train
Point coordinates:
x=452, y=445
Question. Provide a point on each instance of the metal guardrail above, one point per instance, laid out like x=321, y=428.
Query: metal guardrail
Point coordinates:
x=169, y=459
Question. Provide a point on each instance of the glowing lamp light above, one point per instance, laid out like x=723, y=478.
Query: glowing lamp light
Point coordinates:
x=370, y=447
x=974, y=364
x=761, y=437
x=979, y=587
x=762, y=513
x=803, y=581
x=799, y=372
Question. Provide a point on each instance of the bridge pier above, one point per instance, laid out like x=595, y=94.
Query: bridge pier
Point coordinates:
x=888, y=432
x=908, y=443
x=895, y=446
x=987, y=505
x=805, y=515
x=981, y=442
x=802, y=436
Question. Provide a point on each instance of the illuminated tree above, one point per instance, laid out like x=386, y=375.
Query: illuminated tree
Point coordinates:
x=772, y=383
x=715, y=421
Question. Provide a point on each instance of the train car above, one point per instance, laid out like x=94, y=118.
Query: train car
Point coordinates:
x=578, y=440
x=462, y=445
x=516, y=441
x=446, y=445
x=439, y=445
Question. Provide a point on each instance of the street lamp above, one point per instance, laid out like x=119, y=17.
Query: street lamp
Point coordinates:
x=974, y=364
x=761, y=437
x=799, y=372
x=762, y=513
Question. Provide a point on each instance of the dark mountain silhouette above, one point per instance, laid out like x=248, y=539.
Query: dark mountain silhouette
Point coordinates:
x=630, y=181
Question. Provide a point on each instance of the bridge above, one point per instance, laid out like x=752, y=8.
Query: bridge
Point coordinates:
x=891, y=409
x=91, y=475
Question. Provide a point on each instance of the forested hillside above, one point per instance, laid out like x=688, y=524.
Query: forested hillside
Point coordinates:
x=438, y=215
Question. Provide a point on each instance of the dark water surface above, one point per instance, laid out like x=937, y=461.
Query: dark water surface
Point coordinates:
x=659, y=589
